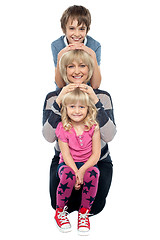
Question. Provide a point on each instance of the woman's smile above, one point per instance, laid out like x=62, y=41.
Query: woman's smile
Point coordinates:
x=77, y=72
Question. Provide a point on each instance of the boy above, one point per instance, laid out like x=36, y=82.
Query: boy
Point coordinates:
x=75, y=24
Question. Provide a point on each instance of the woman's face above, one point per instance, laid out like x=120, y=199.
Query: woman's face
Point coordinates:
x=77, y=72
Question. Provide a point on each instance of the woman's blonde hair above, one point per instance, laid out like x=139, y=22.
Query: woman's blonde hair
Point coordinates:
x=72, y=98
x=79, y=56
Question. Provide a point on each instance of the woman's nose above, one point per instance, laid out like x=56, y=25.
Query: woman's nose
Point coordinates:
x=77, y=70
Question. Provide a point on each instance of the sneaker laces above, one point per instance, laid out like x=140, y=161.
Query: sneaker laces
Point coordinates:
x=62, y=216
x=83, y=219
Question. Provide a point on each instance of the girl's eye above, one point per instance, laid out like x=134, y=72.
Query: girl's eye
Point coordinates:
x=71, y=28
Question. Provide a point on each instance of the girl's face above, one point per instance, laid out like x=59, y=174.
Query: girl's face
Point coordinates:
x=77, y=72
x=77, y=112
x=75, y=33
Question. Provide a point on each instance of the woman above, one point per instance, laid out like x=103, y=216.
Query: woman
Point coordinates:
x=76, y=68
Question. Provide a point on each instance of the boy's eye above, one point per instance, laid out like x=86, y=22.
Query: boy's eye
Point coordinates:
x=71, y=28
x=82, y=28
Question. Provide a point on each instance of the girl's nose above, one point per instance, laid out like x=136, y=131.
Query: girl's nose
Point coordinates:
x=77, y=109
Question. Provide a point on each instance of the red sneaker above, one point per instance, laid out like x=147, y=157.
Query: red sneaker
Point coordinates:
x=62, y=221
x=83, y=221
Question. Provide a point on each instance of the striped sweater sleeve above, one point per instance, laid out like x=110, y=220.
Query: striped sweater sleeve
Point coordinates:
x=105, y=116
x=51, y=117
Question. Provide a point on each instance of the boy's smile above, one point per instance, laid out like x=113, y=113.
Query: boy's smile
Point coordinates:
x=75, y=33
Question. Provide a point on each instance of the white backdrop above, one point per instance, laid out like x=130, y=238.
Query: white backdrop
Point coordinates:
x=129, y=34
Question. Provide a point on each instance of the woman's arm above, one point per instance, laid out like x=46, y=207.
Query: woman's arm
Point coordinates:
x=51, y=111
x=105, y=115
x=51, y=117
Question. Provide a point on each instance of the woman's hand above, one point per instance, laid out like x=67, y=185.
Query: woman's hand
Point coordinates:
x=89, y=90
x=69, y=88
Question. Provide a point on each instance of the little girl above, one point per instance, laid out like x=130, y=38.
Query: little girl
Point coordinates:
x=79, y=141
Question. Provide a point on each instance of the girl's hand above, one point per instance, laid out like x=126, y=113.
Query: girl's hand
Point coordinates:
x=77, y=186
x=79, y=179
x=89, y=90
x=69, y=88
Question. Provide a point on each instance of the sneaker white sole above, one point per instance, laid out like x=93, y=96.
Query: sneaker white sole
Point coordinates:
x=63, y=230
x=83, y=233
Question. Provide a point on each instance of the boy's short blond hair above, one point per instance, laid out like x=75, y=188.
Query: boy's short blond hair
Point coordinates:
x=80, y=13
x=79, y=56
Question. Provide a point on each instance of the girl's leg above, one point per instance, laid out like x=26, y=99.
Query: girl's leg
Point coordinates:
x=90, y=187
x=89, y=191
x=66, y=184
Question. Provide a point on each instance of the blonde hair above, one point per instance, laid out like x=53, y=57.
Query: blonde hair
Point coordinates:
x=72, y=98
x=79, y=56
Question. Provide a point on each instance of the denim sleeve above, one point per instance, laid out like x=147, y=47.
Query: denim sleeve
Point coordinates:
x=98, y=55
x=54, y=54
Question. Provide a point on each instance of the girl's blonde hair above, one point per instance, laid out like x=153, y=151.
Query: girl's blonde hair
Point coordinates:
x=72, y=98
x=79, y=56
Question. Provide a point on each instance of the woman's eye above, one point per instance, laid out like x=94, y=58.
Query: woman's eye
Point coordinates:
x=70, y=66
x=83, y=65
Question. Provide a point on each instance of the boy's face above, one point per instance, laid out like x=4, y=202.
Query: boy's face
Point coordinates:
x=75, y=33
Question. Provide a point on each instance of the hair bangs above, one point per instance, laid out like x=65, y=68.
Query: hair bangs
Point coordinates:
x=78, y=96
